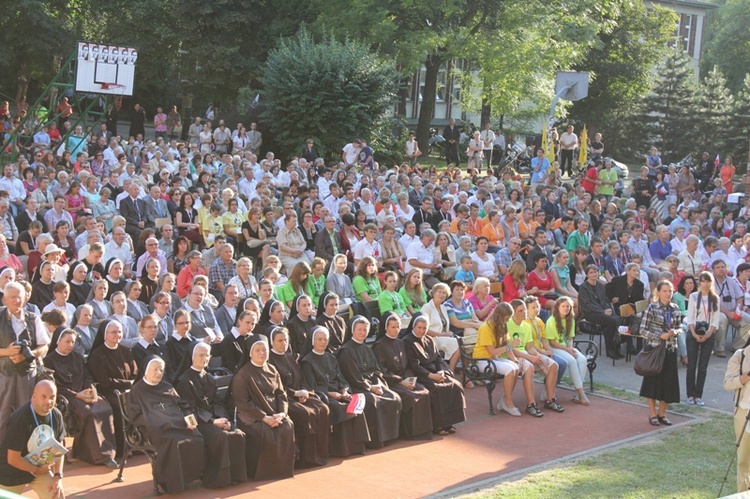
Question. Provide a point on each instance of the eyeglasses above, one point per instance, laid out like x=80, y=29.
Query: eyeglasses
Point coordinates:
x=181, y=323
x=163, y=302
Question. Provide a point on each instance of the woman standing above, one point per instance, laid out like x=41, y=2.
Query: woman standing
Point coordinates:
x=661, y=323
x=476, y=156
x=703, y=317
x=727, y=174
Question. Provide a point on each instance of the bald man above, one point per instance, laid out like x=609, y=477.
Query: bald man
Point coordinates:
x=25, y=426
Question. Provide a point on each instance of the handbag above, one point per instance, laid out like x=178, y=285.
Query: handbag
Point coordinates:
x=650, y=360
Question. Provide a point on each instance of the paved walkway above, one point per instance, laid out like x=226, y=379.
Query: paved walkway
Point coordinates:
x=623, y=376
x=484, y=449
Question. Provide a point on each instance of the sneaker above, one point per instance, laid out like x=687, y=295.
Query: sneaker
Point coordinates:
x=699, y=402
x=554, y=406
x=720, y=354
x=534, y=411
x=513, y=411
x=691, y=401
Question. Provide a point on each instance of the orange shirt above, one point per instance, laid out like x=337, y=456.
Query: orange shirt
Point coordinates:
x=526, y=230
x=475, y=227
x=495, y=234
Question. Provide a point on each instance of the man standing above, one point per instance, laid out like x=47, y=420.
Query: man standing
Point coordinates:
x=18, y=366
x=568, y=144
x=256, y=138
x=366, y=160
x=487, y=136
x=451, y=136
x=137, y=120
x=222, y=138
x=309, y=153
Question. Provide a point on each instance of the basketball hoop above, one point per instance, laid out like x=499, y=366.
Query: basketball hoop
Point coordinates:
x=111, y=86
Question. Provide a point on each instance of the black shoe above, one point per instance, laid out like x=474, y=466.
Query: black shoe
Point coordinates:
x=654, y=420
x=534, y=411
x=614, y=354
x=663, y=420
x=111, y=464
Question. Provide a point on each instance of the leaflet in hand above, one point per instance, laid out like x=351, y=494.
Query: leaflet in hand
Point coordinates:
x=46, y=453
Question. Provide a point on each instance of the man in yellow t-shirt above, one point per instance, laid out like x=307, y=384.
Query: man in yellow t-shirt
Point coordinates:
x=529, y=360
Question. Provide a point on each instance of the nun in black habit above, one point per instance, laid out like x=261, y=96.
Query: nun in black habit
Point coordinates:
x=309, y=414
x=225, y=445
x=300, y=325
x=328, y=317
x=236, y=344
x=363, y=373
x=79, y=288
x=446, y=393
x=154, y=405
x=94, y=425
x=271, y=316
x=262, y=413
x=322, y=374
x=416, y=418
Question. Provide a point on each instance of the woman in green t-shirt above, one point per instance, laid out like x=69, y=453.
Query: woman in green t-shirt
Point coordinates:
x=560, y=332
x=366, y=284
x=296, y=285
x=413, y=291
x=389, y=298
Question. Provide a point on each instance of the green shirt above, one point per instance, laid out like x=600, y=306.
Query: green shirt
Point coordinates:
x=554, y=335
x=286, y=293
x=391, y=300
x=316, y=287
x=681, y=302
x=408, y=302
x=575, y=240
x=523, y=331
x=608, y=189
x=370, y=286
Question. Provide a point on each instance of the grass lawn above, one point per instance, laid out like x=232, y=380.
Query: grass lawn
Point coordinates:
x=687, y=462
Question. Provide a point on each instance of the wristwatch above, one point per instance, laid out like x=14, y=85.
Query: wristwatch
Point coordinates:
x=58, y=475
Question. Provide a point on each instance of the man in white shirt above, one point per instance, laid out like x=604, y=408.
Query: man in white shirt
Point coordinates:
x=366, y=204
x=487, y=136
x=333, y=201
x=350, y=152
x=15, y=189
x=419, y=254
x=410, y=235
x=324, y=183
x=568, y=144
x=118, y=248
x=247, y=184
x=110, y=154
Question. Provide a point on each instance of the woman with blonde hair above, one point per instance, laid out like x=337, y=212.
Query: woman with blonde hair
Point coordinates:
x=481, y=299
x=514, y=282
x=439, y=328
x=413, y=291
x=560, y=332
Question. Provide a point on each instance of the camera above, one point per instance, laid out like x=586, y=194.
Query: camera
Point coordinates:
x=25, y=349
x=701, y=328
x=726, y=299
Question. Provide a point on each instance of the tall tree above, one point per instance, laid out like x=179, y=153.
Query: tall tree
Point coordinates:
x=714, y=110
x=330, y=91
x=728, y=39
x=669, y=109
x=621, y=66
x=739, y=144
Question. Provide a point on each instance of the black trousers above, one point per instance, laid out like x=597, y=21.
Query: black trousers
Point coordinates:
x=609, y=325
x=698, y=356
x=451, y=154
x=566, y=157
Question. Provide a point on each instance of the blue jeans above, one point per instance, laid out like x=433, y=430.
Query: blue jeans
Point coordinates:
x=562, y=365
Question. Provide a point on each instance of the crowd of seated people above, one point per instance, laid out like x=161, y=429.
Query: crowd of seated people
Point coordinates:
x=278, y=274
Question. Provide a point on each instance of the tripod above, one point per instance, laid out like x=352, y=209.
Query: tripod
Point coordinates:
x=736, y=450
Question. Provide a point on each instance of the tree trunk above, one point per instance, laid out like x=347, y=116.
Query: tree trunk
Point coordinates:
x=427, y=108
x=486, y=105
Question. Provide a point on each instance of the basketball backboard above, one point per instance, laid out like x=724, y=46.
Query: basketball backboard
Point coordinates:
x=105, y=69
x=574, y=86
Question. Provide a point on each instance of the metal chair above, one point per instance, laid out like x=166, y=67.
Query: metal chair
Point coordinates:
x=135, y=441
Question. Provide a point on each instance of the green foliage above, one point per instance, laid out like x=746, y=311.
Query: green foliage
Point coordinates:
x=739, y=140
x=668, y=113
x=715, y=103
x=331, y=91
x=728, y=43
x=621, y=68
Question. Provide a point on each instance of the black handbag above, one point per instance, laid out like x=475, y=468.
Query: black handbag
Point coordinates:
x=650, y=360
